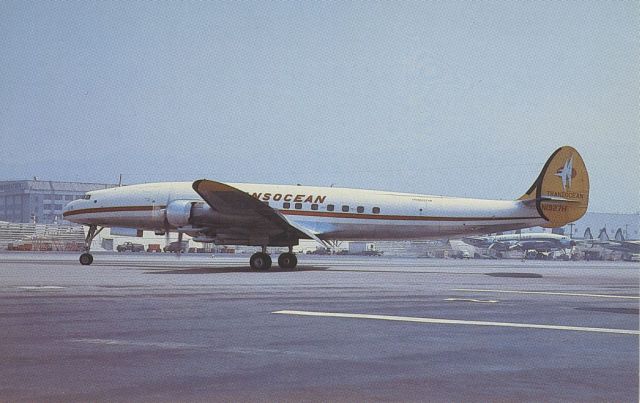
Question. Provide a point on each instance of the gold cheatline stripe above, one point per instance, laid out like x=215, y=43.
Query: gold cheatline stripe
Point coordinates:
x=110, y=209
x=312, y=214
x=399, y=217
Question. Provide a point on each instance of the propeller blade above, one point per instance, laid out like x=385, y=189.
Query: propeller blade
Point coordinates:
x=179, y=251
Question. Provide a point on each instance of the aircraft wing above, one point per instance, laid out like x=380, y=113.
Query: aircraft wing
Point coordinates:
x=267, y=222
x=500, y=246
x=632, y=246
x=537, y=245
x=621, y=246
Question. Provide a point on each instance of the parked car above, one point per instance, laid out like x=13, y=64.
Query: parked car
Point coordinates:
x=173, y=247
x=461, y=254
x=130, y=247
x=633, y=257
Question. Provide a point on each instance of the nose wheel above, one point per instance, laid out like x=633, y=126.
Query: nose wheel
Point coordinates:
x=87, y=258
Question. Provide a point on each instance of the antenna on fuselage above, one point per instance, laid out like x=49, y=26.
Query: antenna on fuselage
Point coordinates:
x=120, y=181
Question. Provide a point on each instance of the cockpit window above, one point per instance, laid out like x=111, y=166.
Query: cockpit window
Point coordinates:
x=86, y=197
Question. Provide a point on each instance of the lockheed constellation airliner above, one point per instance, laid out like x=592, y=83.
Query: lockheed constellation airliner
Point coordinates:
x=536, y=241
x=281, y=215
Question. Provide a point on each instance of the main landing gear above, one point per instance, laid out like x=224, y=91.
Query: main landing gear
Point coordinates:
x=262, y=261
x=87, y=258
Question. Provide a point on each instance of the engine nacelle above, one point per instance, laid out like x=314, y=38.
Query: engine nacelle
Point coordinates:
x=181, y=213
x=178, y=213
x=203, y=214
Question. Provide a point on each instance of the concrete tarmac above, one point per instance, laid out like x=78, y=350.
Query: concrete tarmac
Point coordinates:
x=154, y=328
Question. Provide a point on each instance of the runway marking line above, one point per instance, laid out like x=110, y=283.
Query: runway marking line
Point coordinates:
x=133, y=343
x=568, y=294
x=456, y=322
x=483, y=301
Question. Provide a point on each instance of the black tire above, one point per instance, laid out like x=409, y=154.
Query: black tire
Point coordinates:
x=287, y=261
x=260, y=261
x=86, y=259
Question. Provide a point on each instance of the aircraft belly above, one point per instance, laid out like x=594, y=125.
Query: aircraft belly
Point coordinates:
x=358, y=229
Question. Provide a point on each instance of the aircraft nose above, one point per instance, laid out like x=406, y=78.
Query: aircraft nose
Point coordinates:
x=68, y=208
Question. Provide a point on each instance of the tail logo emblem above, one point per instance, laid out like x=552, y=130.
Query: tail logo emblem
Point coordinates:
x=566, y=173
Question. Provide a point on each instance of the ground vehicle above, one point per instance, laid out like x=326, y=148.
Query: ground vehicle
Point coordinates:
x=130, y=247
x=20, y=246
x=369, y=253
x=461, y=254
x=633, y=257
x=173, y=247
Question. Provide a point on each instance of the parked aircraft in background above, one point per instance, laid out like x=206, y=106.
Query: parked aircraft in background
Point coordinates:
x=539, y=242
x=618, y=244
x=281, y=215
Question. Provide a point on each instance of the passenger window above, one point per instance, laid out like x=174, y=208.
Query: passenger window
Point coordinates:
x=329, y=207
x=314, y=206
x=286, y=205
x=360, y=209
x=298, y=206
x=376, y=210
x=345, y=209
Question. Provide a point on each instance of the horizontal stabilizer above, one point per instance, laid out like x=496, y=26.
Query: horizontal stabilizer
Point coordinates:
x=550, y=199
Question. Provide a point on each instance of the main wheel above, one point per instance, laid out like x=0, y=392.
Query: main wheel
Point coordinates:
x=260, y=261
x=86, y=259
x=287, y=261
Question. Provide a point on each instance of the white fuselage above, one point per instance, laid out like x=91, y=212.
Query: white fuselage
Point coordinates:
x=331, y=213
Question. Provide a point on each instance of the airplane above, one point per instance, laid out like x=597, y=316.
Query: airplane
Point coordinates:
x=540, y=242
x=618, y=244
x=280, y=215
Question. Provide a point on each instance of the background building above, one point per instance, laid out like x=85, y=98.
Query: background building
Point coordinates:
x=25, y=201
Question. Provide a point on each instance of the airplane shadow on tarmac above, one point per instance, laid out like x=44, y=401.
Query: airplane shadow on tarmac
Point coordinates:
x=235, y=269
x=276, y=269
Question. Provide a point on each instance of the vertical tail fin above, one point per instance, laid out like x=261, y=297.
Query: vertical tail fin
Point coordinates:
x=603, y=236
x=561, y=191
x=619, y=236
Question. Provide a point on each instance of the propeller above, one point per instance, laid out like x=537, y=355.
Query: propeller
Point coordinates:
x=179, y=251
x=167, y=232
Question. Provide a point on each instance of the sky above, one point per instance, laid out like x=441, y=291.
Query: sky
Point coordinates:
x=454, y=98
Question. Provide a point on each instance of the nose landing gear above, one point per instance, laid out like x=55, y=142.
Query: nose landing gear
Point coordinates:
x=87, y=258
